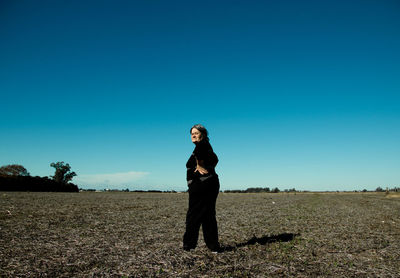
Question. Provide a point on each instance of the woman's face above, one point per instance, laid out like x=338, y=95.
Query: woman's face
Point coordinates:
x=196, y=135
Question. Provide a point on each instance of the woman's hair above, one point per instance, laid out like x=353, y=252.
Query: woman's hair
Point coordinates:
x=202, y=129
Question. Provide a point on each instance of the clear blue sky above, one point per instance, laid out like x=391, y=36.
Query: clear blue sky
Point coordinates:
x=302, y=94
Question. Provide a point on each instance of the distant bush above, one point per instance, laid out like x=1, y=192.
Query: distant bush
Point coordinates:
x=275, y=190
x=13, y=170
x=259, y=190
x=34, y=184
x=256, y=190
x=234, y=191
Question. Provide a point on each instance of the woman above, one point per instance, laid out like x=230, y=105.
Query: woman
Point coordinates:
x=203, y=186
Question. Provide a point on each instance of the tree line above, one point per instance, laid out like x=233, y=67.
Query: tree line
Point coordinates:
x=277, y=190
x=259, y=190
x=16, y=177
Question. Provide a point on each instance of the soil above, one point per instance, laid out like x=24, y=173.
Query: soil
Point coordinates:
x=125, y=234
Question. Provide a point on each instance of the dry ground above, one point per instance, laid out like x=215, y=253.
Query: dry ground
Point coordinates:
x=139, y=235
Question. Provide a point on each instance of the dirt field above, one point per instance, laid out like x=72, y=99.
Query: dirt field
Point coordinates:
x=139, y=235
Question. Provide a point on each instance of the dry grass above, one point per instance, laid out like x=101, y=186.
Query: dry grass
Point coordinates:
x=139, y=235
x=393, y=195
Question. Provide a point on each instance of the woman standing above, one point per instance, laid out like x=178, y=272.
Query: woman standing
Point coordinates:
x=203, y=186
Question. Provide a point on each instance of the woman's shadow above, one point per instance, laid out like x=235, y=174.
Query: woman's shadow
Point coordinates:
x=285, y=237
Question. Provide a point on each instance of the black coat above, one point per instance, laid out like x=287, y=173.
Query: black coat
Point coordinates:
x=205, y=153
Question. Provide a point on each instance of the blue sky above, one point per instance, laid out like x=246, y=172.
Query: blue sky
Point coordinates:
x=302, y=94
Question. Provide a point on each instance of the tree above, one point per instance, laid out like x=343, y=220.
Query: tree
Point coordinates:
x=379, y=189
x=14, y=170
x=275, y=190
x=63, y=172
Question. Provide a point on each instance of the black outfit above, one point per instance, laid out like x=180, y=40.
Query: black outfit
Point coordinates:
x=203, y=192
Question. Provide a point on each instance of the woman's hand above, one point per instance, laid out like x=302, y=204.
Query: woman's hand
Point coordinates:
x=201, y=170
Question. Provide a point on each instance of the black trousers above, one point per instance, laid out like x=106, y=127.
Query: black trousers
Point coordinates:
x=201, y=212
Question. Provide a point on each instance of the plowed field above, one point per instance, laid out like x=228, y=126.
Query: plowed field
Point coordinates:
x=140, y=234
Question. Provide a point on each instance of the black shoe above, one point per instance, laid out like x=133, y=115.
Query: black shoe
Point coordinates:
x=216, y=249
x=186, y=248
x=222, y=249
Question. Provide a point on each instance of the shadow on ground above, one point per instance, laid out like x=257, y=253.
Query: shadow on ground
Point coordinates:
x=285, y=237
